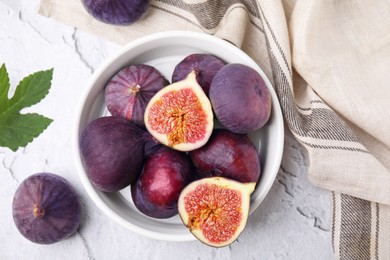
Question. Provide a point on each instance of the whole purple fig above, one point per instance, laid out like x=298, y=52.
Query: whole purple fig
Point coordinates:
x=240, y=98
x=119, y=12
x=165, y=174
x=128, y=92
x=228, y=155
x=46, y=208
x=112, y=150
x=205, y=66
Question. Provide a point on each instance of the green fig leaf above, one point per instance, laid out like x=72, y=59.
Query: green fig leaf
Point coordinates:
x=16, y=129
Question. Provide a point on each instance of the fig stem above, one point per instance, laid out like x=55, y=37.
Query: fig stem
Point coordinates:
x=38, y=211
x=135, y=89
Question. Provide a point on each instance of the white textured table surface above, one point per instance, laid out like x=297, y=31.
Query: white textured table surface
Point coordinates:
x=293, y=222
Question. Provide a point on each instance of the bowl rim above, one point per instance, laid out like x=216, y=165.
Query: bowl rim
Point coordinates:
x=93, y=193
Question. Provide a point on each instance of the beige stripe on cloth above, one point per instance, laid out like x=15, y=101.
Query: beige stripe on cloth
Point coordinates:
x=329, y=62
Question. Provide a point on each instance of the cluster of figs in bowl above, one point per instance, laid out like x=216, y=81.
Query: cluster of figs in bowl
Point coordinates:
x=179, y=136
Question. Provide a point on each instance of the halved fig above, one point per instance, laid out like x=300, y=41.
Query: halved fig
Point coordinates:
x=206, y=66
x=129, y=91
x=180, y=115
x=215, y=209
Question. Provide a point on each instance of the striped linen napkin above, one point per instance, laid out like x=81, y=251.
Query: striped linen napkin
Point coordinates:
x=329, y=62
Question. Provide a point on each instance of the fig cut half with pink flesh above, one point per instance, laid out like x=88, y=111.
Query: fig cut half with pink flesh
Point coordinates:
x=215, y=209
x=180, y=115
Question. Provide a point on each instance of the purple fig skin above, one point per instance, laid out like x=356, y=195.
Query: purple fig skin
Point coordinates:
x=117, y=12
x=240, y=98
x=112, y=151
x=165, y=174
x=130, y=90
x=227, y=155
x=205, y=65
x=151, y=147
x=46, y=208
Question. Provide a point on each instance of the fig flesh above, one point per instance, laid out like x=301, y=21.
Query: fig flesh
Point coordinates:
x=180, y=115
x=165, y=174
x=129, y=91
x=229, y=155
x=112, y=151
x=240, y=98
x=215, y=209
x=118, y=12
x=46, y=208
x=206, y=66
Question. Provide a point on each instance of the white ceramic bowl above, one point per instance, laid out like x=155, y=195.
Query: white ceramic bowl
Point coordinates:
x=163, y=51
